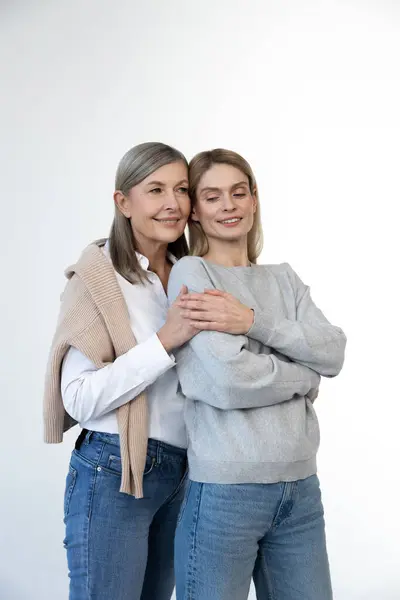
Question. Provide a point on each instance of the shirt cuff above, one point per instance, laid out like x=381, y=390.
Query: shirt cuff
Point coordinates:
x=154, y=358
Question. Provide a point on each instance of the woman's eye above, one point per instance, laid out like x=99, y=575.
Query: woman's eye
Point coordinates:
x=155, y=191
x=239, y=195
x=183, y=190
x=212, y=199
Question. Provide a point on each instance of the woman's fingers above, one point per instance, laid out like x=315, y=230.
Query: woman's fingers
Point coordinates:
x=193, y=296
x=216, y=293
x=206, y=296
x=195, y=304
x=198, y=315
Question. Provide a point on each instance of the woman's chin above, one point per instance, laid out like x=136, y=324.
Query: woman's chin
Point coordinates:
x=170, y=236
x=232, y=236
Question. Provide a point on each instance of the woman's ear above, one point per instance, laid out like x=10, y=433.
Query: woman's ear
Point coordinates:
x=193, y=215
x=121, y=202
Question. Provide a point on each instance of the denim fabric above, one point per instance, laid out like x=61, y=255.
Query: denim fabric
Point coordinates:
x=274, y=532
x=120, y=548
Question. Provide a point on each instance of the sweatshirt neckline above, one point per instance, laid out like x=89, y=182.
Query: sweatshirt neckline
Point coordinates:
x=241, y=267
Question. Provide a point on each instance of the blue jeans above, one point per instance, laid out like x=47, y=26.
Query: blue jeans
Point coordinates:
x=120, y=548
x=275, y=533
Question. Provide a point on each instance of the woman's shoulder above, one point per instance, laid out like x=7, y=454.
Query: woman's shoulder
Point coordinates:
x=93, y=258
x=285, y=272
x=191, y=272
x=93, y=277
x=282, y=272
x=283, y=268
x=189, y=263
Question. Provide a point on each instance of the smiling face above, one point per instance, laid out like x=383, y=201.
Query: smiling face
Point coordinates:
x=225, y=205
x=158, y=207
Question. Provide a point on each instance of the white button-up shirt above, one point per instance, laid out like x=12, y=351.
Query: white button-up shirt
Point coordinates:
x=91, y=396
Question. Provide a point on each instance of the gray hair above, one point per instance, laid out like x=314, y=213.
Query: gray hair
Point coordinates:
x=137, y=164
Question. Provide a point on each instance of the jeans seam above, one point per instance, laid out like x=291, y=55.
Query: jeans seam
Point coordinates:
x=172, y=496
x=271, y=593
x=69, y=491
x=184, y=503
x=191, y=579
x=288, y=494
x=89, y=512
x=86, y=529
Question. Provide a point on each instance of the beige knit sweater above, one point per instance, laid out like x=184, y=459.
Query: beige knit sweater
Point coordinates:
x=94, y=319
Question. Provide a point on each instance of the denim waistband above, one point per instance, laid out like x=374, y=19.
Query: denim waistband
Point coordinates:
x=154, y=447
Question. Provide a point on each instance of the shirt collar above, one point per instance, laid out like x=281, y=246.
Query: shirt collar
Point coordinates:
x=143, y=260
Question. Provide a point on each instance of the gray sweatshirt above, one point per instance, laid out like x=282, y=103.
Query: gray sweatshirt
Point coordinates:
x=247, y=413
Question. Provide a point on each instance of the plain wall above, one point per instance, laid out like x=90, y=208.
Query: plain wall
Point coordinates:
x=309, y=92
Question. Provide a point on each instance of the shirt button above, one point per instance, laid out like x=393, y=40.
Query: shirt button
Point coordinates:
x=99, y=469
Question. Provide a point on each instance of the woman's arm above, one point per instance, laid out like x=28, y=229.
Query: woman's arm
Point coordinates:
x=89, y=393
x=309, y=340
x=241, y=378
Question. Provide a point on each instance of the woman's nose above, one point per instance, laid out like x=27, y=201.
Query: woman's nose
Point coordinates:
x=227, y=202
x=171, y=201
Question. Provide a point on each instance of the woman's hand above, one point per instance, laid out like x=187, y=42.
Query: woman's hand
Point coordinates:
x=216, y=311
x=177, y=330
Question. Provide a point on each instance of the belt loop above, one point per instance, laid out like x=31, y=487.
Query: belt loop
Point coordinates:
x=159, y=453
x=83, y=438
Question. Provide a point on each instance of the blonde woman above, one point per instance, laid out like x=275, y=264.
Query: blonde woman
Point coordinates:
x=111, y=369
x=253, y=504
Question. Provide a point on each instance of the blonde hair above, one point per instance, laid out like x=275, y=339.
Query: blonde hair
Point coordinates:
x=198, y=166
x=137, y=164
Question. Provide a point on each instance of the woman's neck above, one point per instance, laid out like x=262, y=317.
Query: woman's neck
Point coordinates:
x=228, y=254
x=156, y=254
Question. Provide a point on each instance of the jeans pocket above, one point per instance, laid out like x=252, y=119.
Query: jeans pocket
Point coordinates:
x=184, y=502
x=69, y=488
x=114, y=464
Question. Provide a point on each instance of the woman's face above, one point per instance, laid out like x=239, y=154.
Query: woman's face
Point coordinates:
x=159, y=206
x=225, y=205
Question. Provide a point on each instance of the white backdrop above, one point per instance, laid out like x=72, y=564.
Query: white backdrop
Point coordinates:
x=309, y=92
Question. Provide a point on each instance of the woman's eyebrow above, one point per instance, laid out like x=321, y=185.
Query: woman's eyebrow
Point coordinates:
x=159, y=183
x=162, y=183
x=209, y=189
x=240, y=184
x=216, y=189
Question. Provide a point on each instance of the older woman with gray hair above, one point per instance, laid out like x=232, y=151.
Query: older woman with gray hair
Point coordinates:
x=111, y=369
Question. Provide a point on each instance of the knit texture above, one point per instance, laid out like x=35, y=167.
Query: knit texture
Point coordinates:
x=94, y=319
x=248, y=414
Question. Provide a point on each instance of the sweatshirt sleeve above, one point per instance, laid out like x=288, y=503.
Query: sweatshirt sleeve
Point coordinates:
x=89, y=393
x=309, y=340
x=241, y=378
